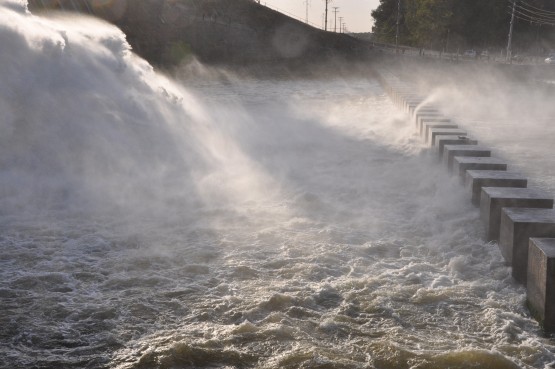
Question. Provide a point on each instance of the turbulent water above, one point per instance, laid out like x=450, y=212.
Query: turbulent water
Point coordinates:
x=226, y=222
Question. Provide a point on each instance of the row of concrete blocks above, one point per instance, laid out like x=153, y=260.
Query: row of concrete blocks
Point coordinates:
x=521, y=219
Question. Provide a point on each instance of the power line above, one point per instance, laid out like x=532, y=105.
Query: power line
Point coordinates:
x=547, y=12
x=525, y=17
x=536, y=15
x=525, y=12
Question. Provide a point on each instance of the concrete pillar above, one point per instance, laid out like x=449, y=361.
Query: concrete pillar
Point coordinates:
x=420, y=113
x=444, y=132
x=427, y=126
x=423, y=121
x=450, y=151
x=463, y=163
x=476, y=179
x=404, y=100
x=518, y=225
x=414, y=108
x=443, y=140
x=411, y=104
x=540, y=286
x=400, y=96
x=493, y=199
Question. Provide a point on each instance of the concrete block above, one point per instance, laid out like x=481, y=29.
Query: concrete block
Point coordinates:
x=411, y=105
x=400, y=98
x=417, y=115
x=518, y=225
x=413, y=108
x=426, y=126
x=450, y=151
x=425, y=109
x=443, y=132
x=540, y=286
x=476, y=179
x=442, y=140
x=423, y=120
x=493, y=199
x=463, y=163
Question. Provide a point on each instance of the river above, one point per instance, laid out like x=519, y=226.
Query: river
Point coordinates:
x=221, y=221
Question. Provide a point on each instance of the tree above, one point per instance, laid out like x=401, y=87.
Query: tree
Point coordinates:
x=385, y=20
x=428, y=20
x=480, y=24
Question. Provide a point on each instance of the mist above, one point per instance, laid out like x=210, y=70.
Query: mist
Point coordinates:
x=509, y=108
x=245, y=218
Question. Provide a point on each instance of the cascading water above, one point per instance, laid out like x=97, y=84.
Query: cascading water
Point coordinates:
x=237, y=223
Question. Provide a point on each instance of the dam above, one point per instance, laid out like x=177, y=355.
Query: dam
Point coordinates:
x=217, y=220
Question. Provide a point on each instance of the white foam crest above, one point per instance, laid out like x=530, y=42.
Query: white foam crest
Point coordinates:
x=87, y=124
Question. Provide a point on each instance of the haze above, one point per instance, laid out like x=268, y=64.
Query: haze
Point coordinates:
x=355, y=13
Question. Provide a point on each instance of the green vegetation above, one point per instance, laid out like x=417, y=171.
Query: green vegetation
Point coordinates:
x=451, y=25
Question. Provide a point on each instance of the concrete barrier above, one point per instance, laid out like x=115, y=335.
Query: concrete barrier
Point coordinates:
x=430, y=114
x=493, y=199
x=518, y=225
x=442, y=140
x=476, y=179
x=427, y=126
x=463, y=163
x=431, y=138
x=413, y=109
x=540, y=285
x=511, y=212
x=450, y=151
x=415, y=102
x=430, y=117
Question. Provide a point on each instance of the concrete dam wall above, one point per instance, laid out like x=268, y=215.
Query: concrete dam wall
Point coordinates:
x=215, y=31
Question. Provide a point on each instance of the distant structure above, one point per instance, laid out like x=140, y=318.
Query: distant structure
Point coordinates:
x=167, y=32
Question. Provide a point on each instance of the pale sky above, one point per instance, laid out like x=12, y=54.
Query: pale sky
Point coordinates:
x=355, y=13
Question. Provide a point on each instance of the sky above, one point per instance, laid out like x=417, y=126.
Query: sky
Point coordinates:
x=355, y=13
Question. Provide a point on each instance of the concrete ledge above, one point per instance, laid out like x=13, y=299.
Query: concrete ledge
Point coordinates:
x=427, y=126
x=433, y=132
x=442, y=140
x=450, y=151
x=400, y=98
x=424, y=121
x=414, y=108
x=431, y=118
x=540, y=286
x=407, y=103
x=476, y=179
x=493, y=199
x=426, y=109
x=518, y=225
x=463, y=163
x=426, y=114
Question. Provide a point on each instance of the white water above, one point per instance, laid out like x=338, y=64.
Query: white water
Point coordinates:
x=291, y=223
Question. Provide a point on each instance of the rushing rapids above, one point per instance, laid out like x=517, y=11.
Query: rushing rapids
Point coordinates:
x=230, y=222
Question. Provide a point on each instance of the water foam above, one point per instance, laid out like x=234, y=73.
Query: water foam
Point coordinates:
x=287, y=227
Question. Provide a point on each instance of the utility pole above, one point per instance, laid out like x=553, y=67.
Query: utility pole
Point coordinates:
x=397, y=32
x=307, y=2
x=509, y=43
x=326, y=16
x=340, y=24
x=335, y=18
